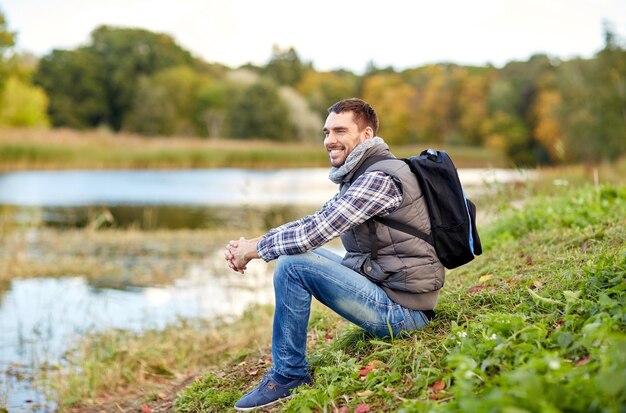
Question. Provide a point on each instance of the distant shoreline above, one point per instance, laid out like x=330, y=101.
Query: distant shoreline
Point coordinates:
x=53, y=149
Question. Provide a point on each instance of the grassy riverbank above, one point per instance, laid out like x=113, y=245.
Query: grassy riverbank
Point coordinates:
x=29, y=149
x=537, y=323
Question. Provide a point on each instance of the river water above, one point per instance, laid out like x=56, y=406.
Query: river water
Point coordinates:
x=40, y=317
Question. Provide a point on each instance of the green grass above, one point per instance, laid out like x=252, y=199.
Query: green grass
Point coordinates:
x=536, y=324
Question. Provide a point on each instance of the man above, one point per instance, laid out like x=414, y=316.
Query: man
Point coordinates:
x=384, y=293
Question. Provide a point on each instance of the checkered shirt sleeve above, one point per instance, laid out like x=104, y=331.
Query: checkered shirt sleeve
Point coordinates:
x=373, y=193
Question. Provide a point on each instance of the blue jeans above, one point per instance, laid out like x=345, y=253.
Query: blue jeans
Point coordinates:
x=319, y=273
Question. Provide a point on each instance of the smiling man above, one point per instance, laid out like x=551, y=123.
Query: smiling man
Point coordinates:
x=385, y=290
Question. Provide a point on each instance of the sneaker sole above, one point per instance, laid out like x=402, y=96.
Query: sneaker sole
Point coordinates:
x=247, y=409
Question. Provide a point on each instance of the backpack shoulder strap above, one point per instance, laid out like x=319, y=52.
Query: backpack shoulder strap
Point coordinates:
x=400, y=226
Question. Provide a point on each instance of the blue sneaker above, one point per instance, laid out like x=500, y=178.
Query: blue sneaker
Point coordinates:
x=269, y=392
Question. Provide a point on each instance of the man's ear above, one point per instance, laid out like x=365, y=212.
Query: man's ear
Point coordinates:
x=369, y=132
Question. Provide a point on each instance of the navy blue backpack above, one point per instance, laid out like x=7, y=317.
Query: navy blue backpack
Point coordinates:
x=452, y=215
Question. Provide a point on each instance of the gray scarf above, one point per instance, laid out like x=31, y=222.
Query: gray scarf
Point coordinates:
x=337, y=174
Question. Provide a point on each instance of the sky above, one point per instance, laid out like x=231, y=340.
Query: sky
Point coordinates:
x=334, y=34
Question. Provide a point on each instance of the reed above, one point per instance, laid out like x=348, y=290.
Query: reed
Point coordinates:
x=32, y=149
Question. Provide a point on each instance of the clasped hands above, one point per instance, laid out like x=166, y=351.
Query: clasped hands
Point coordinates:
x=240, y=252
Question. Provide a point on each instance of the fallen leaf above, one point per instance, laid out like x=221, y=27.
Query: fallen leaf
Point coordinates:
x=265, y=360
x=389, y=389
x=436, y=390
x=485, y=278
x=529, y=260
x=538, y=283
x=438, y=385
x=145, y=409
x=365, y=370
x=583, y=361
x=475, y=289
x=253, y=372
x=362, y=408
x=220, y=374
x=365, y=393
x=328, y=336
x=437, y=395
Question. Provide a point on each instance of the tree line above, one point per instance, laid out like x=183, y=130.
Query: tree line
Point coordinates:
x=539, y=111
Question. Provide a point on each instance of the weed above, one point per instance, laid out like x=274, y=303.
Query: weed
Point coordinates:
x=207, y=394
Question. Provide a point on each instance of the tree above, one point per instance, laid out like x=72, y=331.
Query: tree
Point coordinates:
x=7, y=41
x=212, y=104
x=128, y=54
x=75, y=84
x=608, y=105
x=285, y=67
x=97, y=83
x=593, y=114
x=22, y=104
x=307, y=125
x=512, y=102
x=434, y=105
x=471, y=104
x=394, y=101
x=322, y=89
x=548, y=128
x=259, y=112
x=508, y=133
x=575, y=113
x=165, y=103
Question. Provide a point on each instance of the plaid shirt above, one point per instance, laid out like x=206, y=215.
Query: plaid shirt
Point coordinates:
x=373, y=193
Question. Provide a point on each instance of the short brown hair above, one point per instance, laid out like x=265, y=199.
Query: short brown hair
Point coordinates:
x=364, y=114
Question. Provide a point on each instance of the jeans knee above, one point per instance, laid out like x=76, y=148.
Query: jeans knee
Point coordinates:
x=284, y=262
x=291, y=266
x=283, y=268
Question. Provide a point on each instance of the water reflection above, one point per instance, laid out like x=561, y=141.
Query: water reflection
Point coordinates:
x=39, y=318
x=156, y=187
x=151, y=217
x=182, y=199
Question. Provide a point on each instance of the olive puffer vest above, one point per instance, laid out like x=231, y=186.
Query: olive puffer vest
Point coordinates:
x=407, y=268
